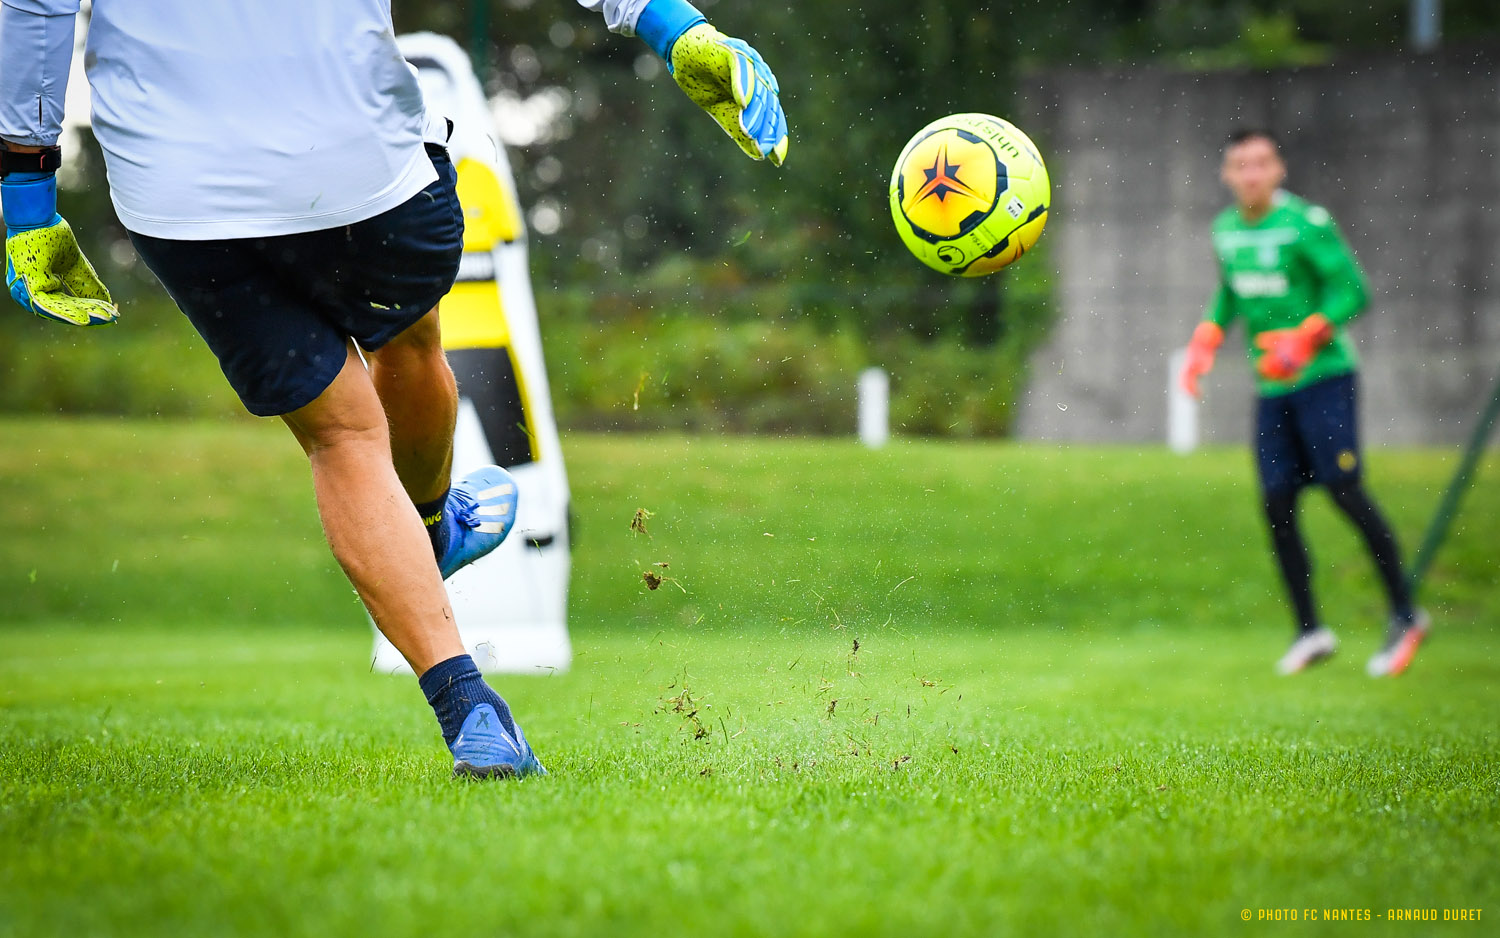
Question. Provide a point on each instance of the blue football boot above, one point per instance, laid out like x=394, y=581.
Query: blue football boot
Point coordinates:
x=479, y=513
x=484, y=749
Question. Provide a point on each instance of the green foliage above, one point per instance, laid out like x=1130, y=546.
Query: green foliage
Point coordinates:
x=646, y=364
x=1060, y=717
x=1266, y=42
x=945, y=388
x=689, y=373
x=150, y=363
x=718, y=354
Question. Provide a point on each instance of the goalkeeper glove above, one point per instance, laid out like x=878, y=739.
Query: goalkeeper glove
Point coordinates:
x=1285, y=352
x=1200, y=356
x=44, y=269
x=725, y=77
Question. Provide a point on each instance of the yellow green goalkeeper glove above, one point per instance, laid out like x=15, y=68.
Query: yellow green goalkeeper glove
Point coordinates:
x=44, y=269
x=724, y=76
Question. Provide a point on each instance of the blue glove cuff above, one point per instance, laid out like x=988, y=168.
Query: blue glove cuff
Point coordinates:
x=28, y=200
x=663, y=21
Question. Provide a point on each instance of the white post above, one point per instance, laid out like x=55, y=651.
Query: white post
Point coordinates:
x=1182, y=408
x=1425, y=25
x=874, y=407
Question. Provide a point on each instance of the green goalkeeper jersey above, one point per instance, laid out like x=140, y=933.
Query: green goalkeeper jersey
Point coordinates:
x=1275, y=272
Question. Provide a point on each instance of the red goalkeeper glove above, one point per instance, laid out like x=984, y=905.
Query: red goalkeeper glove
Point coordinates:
x=1285, y=352
x=1200, y=356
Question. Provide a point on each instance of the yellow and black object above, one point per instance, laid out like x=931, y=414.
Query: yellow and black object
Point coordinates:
x=475, y=330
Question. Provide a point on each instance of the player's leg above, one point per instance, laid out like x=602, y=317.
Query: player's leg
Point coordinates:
x=1330, y=422
x=1408, y=625
x=420, y=398
x=472, y=517
x=1314, y=642
x=1291, y=553
x=1355, y=502
x=390, y=273
x=395, y=269
x=285, y=358
x=1281, y=466
x=378, y=539
x=374, y=533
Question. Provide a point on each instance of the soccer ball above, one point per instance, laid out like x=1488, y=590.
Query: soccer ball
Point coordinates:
x=970, y=194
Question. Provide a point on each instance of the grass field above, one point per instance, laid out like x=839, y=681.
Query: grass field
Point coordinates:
x=1060, y=717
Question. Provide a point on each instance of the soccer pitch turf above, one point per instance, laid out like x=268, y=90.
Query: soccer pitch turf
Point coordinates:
x=1061, y=716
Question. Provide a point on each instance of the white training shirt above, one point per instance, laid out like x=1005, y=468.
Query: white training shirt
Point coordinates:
x=619, y=15
x=235, y=119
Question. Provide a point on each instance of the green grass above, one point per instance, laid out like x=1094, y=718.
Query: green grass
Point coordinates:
x=1060, y=718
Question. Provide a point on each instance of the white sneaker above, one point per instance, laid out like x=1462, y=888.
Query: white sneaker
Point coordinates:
x=1308, y=649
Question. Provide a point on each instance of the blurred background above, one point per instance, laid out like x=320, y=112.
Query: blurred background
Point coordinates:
x=682, y=286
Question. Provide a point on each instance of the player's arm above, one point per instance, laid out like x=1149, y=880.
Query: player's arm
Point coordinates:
x=44, y=269
x=1343, y=294
x=1207, y=337
x=724, y=76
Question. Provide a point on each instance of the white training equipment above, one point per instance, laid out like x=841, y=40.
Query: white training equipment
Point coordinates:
x=511, y=606
x=1182, y=408
x=874, y=407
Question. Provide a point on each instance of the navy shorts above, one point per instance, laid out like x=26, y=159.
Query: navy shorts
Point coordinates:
x=1308, y=436
x=279, y=312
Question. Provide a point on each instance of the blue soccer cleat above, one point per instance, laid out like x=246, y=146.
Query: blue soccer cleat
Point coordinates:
x=479, y=513
x=484, y=749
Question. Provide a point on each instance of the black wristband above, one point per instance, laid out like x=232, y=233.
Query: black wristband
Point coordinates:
x=46, y=160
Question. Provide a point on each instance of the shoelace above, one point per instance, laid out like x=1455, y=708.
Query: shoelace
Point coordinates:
x=464, y=508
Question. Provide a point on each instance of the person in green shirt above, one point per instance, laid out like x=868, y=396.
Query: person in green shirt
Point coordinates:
x=1287, y=274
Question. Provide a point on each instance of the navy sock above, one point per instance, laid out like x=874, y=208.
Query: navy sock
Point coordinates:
x=454, y=688
x=434, y=518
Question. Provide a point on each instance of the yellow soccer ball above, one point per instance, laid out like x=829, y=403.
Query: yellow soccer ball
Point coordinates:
x=970, y=194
